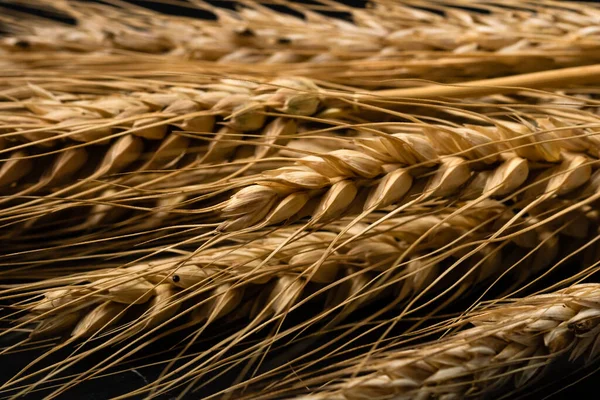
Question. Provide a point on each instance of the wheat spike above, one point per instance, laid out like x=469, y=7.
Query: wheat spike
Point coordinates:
x=508, y=346
x=129, y=120
x=486, y=162
x=216, y=279
x=149, y=114
x=377, y=42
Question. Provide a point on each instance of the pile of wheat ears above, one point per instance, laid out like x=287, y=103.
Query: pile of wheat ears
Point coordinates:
x=299, y=200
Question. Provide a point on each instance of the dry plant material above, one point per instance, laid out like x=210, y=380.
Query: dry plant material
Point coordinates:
x=241, y=169
x=508, y=346
x=127, y=127
x=41, y=117
x=468, y=162
x=434, y=40
x=209, y=286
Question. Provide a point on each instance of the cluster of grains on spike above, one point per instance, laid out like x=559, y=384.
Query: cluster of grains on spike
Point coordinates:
x=157, y=284
x=149, y=115
x=469, y=162
x=218, y=277
x=139, y=131
x=462, y=42
x=507, y=347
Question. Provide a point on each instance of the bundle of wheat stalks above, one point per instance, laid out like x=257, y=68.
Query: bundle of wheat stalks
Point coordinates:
x=277, y=200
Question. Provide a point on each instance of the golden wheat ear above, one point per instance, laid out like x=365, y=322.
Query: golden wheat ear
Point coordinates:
x=139, y=132
x=508, y=346
x=198, y=290
x=453, y=43
x=476, y=162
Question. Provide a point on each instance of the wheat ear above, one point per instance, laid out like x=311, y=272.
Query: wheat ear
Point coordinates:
x=133, y=121
x=217, y=278
x=390, y=170
x=380, y=41
x=508, y=346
